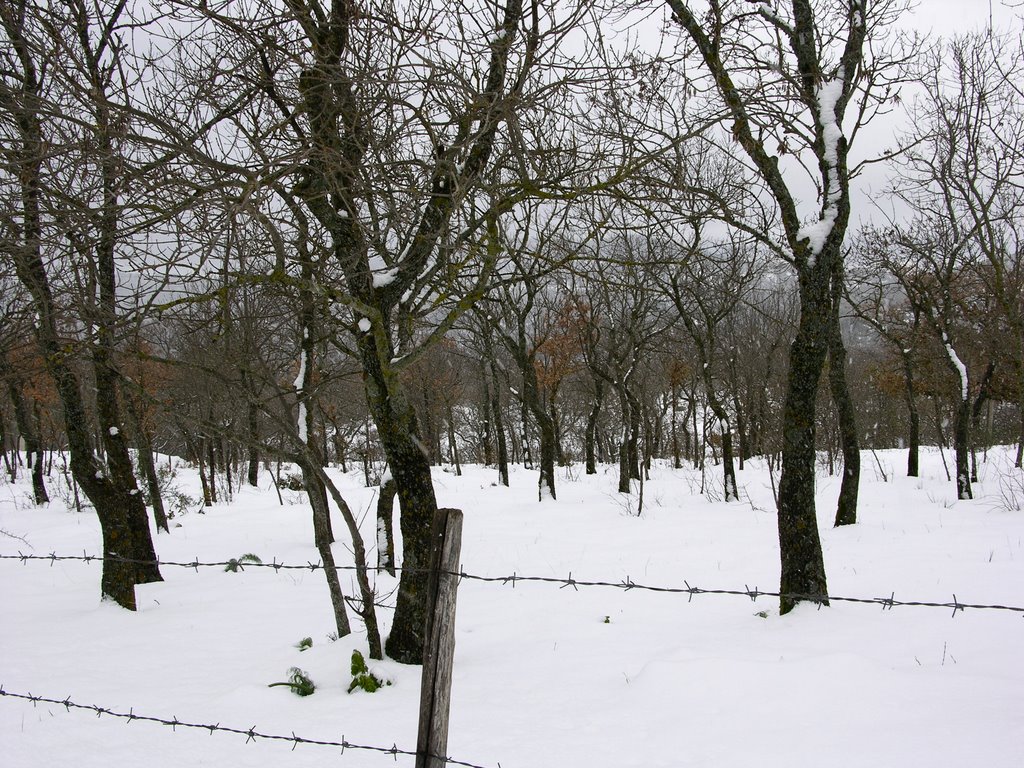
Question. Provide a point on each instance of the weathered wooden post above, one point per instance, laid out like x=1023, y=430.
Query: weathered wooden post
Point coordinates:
x=439, y=643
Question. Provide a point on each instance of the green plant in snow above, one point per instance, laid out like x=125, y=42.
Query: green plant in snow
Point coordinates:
x=305, y=644
x=299, y=682
x=362, y=677
x=235, y=564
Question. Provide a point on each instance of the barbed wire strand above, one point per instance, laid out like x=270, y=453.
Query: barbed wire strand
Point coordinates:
x=627, y=584
x=251, y=734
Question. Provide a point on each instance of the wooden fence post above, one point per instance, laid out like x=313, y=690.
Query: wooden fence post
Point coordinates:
x=439, y=639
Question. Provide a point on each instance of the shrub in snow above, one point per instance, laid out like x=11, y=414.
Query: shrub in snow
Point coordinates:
x=298, y=681
x=362, y=677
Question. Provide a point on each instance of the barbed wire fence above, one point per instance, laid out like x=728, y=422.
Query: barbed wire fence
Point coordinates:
x=625, y=584
x=251, y=734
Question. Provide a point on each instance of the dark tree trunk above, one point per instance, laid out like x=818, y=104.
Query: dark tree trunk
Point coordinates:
x=741, y=429
x=730, y=491
x=453, y=447
x=962, y=449
x=145, y=454
x=252, y=419
x=635, y=418
x=322, y=538
x=3, y=450
x=625, y=471
x=486, y=411
x=27, y=428
x=499, y=427
x=1018, y=461
x=849, y=489
x=557, y=433
x=410, y=467
x=495, y=407
x=984, y=394
x=546, y=427
x=211, y=460
x=590, y=433
x=385, y=527
x=367, y=612
x=803, y=567
x=914, y=436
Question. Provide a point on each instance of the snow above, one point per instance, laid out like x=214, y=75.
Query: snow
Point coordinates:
x=113, y=431
x=300, y=385
x=364, y=324
x=817, y=232
x=387, y=277
x=958, y=364
x=544, y=676
x=382, y=274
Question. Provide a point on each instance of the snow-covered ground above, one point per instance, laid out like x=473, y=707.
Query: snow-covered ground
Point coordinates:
x=544, y=676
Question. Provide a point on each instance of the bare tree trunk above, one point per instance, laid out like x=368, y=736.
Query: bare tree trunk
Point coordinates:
x=803, y=567
x=453, y=448
x=144, y=451
x=730, y=491
x=322, y=539
x=486, y=411
x=27, y=429
x=499, y=427
x=385, y=526
x=984, y=394
x=849, y=489
x=590, y=433
x=914, y=437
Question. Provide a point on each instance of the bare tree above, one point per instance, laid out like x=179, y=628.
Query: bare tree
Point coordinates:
x=69, y=207
x=963, y=180
x=796, y=81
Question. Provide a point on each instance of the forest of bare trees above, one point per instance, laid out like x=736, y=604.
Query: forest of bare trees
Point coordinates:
x=390, y=236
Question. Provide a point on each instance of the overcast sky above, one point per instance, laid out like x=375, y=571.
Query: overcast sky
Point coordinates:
x=952, y=16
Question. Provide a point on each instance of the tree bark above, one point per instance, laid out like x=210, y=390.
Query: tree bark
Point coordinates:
x=849, y=489
x=803, y=567
x=910, y=397
x=322, y=539
x=27, y=429
x=590, y=433
x=144, y=451
x=385, y=527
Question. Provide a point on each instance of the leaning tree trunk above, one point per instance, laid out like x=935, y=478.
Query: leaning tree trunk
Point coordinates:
x=322, y=539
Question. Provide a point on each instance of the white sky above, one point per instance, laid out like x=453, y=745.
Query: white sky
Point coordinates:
x=944, y=17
